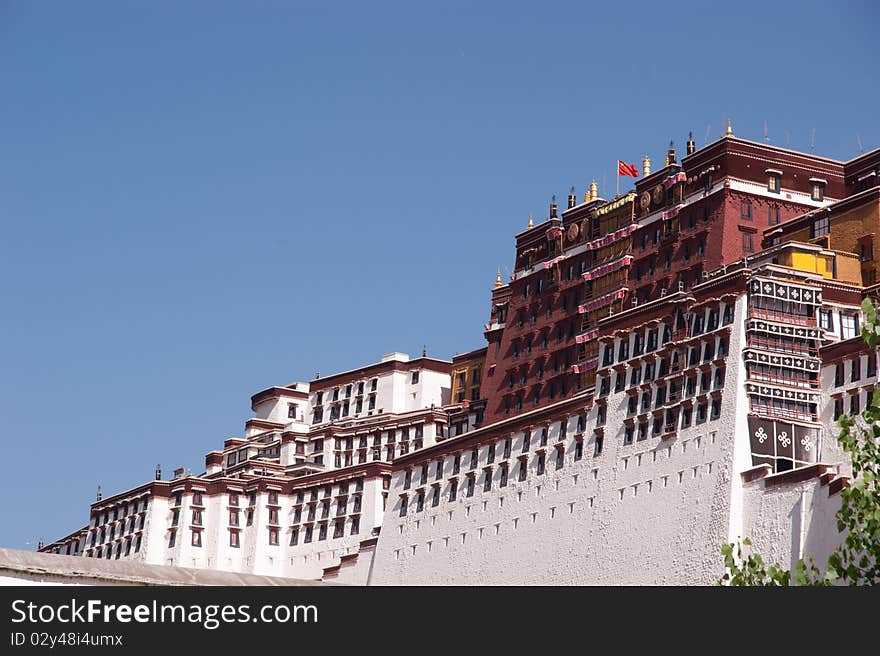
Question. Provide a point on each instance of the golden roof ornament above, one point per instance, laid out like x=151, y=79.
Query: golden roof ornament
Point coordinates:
x=646, y=167
x=594, y=190
x=498, y=279
x=531, y=223
x=729, y=132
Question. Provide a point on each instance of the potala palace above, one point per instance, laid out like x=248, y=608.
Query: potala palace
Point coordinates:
x=660, y=374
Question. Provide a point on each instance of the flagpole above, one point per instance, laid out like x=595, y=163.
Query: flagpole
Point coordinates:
x=618, y=180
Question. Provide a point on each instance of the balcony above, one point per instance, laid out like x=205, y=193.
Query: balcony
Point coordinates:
x=774, y=346
x=799, y=383
x=783, y=413
x=782, y=317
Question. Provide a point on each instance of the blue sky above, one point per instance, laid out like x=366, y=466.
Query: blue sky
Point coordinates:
x=199, y=200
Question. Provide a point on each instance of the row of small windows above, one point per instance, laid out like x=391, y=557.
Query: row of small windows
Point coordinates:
x=116, y=551
x=126, y=509
x=641, y=343
x=497, y=450
x=103, y=534
x=855, y=369
x=672, y=420
x=418, y=501
x=318, y=398
x=854, y=406
x=676, y=390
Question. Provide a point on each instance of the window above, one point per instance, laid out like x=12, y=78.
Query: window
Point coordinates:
x=838, y=374
x=854, y=404
x=826, y=320
x=403, y=501
x=196, y=518
x=856, y=369
x=407, y=479
x=773, y=182
x=273, y=536
x=415, y=377
x=871, y=371
x=526, y=443
x=628, y=435
x=838, y=408
x=322, y=532
x=456, y=463
x=620, y=382
x=635, y=376
x=487, y=481
x=597, y=446
x=541, y=464
x=745, y=210
x=849, y=325
x=686, y=417
x=474, y=458
x=817, y=190
x=748, y=242
x=233, y=518
x=773, y=215
x=560, y=458
x=171, y=538
x=197, y=498
x=820, y=227
x=716, y=409
x=507, y=446
x=632, y=405
x=197, y=538
x=701, y=413
x=469, y=491
x=453, y=489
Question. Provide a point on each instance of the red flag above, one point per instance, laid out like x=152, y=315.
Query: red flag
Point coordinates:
x=627, y=169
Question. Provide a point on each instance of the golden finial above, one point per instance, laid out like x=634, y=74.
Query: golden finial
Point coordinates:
x=498, y=279
x=594, y=190
x=729, y=132
x=646, y=167
x=587, y=197
x=530, y=226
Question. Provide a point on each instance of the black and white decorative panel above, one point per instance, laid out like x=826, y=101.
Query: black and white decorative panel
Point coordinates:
x=778, y=360
x=774, y=441
x=785, y=291
x=783, y=330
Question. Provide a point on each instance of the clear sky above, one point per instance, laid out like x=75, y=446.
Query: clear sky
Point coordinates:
x=199, y=200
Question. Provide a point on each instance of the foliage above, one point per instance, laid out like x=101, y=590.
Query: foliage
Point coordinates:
x=856, y=561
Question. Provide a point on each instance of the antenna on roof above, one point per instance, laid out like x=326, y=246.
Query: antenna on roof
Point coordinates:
x=787, y=139
x=766, y=133
x=812, y=139
x=859, y=143
x=708, y=132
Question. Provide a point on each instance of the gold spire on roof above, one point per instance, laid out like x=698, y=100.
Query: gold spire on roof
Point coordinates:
x=498, y=279
x=531, y=223
x=587, y=198
x=729, y=132
x=594, y=190
x=646, y=167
